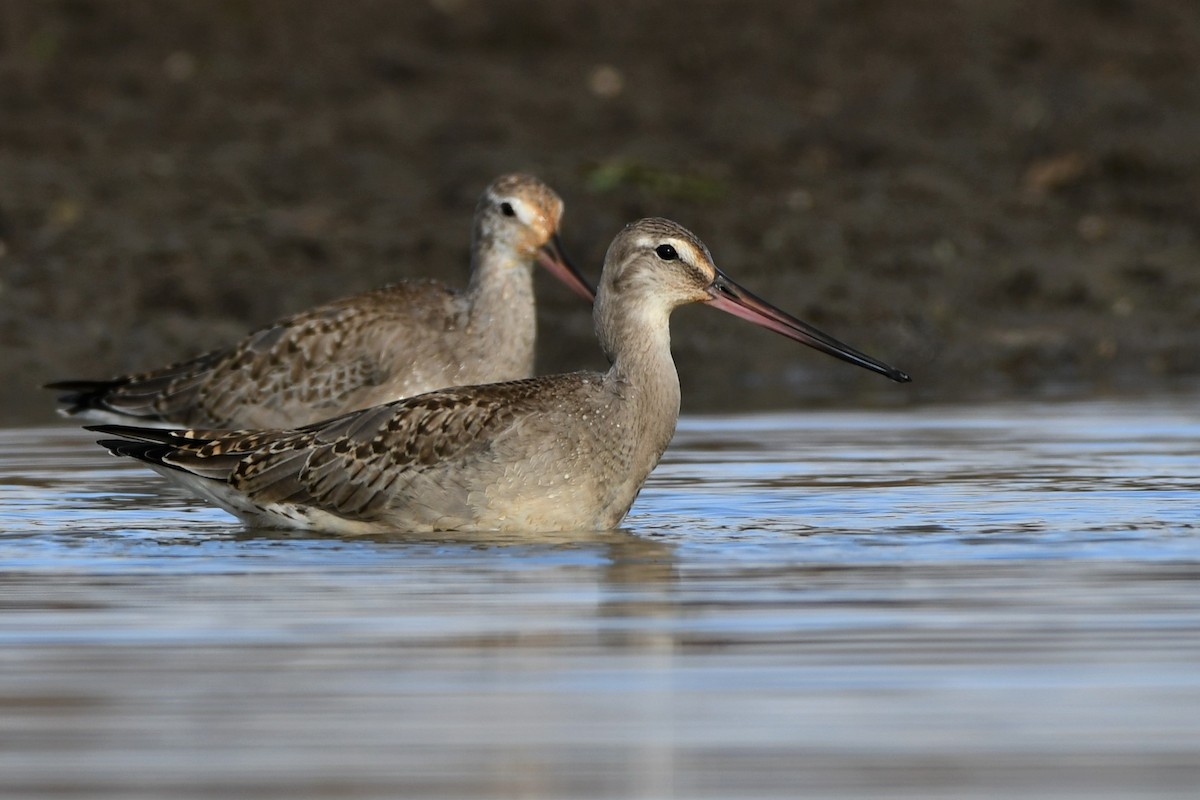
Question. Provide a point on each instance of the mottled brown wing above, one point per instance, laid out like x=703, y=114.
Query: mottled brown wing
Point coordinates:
x=307, y=361
x=140, y=397
x=352, y=465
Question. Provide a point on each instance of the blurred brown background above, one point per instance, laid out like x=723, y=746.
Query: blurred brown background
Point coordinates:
x=999, y=197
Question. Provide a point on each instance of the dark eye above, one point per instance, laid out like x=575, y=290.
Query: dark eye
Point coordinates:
x=507, y=210
x=666, y=252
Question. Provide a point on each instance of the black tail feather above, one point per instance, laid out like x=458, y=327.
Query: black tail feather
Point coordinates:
x=150, y=452
x=81, y=386
x=83, y=396
x=138, y=434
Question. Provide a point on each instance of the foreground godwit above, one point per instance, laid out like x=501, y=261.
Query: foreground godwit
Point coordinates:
x=563, y=452
x=367, y=349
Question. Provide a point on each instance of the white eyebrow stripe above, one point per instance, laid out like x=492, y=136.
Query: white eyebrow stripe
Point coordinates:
x=527, y=212
x=688, y=253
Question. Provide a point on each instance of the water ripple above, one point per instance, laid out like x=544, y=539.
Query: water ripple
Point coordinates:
x=960, y=602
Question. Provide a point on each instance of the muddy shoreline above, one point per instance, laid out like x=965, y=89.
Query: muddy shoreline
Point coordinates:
x=1000, y=198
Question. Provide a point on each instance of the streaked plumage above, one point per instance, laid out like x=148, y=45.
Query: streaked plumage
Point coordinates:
x=367, y=349
x=564, y=452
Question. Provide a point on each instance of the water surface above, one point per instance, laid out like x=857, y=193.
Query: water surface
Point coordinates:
x=996, y=601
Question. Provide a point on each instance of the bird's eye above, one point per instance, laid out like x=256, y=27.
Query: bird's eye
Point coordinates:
x=507, y=210
x=666, y=252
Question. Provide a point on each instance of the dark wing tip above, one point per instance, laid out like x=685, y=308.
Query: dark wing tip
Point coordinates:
x=150, y=452
x=77, y=386
x=116, y=430
x=133, y=433
x=83, y=396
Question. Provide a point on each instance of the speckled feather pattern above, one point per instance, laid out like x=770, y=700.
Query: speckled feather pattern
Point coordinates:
x=538, y=454
x=314, y=364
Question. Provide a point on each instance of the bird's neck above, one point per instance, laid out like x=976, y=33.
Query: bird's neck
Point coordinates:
x=638, y=343
x=501, y=309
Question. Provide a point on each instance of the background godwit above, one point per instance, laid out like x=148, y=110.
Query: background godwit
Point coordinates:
x=369, y=348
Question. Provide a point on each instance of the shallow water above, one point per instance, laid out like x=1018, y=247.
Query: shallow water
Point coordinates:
x=995, y=601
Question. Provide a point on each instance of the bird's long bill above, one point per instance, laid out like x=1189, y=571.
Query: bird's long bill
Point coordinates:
x=728, y=296
x=552, y=258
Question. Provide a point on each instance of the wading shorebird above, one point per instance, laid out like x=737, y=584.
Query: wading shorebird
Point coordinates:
x=562, y=452
x=371, y=348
